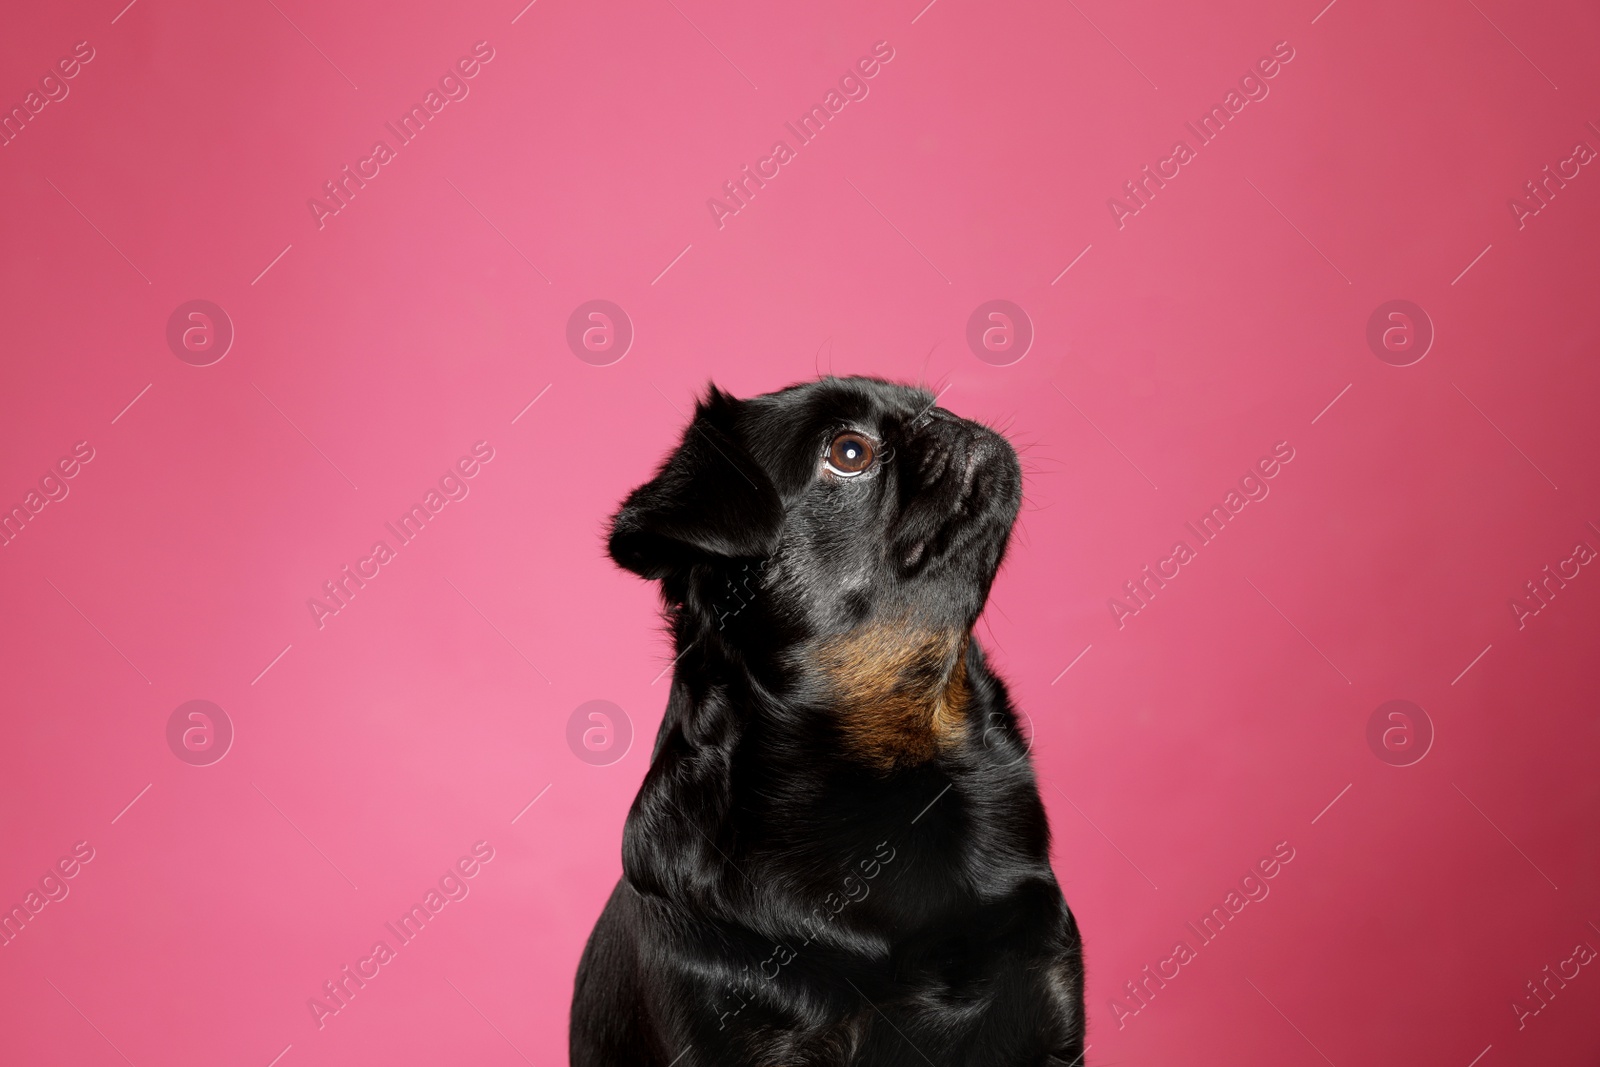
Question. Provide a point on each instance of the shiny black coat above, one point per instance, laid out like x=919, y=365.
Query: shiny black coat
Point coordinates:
x=838, y=854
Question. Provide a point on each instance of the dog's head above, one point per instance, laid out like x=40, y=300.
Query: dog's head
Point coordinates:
x=837, y=506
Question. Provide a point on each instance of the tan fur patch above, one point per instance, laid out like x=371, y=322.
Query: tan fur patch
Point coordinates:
x=902, y=692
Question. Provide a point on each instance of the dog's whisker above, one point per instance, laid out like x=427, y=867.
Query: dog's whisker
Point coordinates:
x=922, y=376
x=927, y=412
x=828, y=344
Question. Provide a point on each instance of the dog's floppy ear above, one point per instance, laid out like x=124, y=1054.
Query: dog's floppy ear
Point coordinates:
x=710, y=499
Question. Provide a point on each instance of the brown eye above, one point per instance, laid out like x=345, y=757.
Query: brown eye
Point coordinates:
x=850, y=454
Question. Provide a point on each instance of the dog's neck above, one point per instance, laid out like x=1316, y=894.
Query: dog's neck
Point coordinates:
x=898, y=690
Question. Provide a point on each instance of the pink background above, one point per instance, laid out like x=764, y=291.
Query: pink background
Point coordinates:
x=1226, y=316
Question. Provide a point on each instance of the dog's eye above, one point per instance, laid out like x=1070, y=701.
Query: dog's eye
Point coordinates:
x=850, y=454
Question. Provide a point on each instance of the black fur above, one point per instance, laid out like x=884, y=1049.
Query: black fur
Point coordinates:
x=812, y=875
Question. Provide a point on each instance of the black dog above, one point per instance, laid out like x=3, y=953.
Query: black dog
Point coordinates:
x=838, y=855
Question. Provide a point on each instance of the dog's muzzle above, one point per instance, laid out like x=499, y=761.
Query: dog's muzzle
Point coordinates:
x=964, y=486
